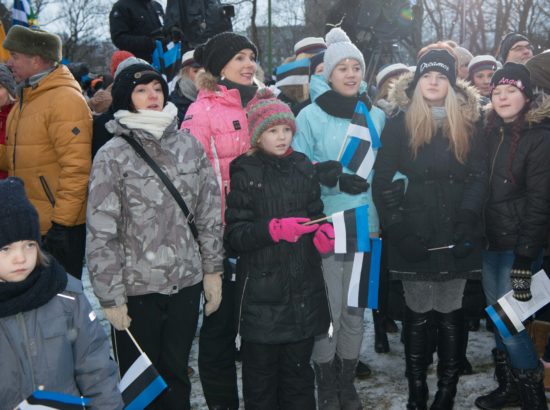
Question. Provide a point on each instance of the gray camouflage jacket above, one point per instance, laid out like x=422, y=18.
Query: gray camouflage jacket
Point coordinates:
x=138, y=240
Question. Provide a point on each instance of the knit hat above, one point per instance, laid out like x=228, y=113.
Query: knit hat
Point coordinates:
x=436, y=60
x=118, y=57
x=508, y=42
x=310, y=45
x=315, y=61
x=188, y=60
x=340, y=47
x=127, y=63
x=220, y=49
x=6, y=80
x=33, y=42
x=128, y=79
x=265, y=111
x=18, y=217
x=388, y=71
x=539, y=67
x=463, y=55
x=513, y=74
x=482, y=62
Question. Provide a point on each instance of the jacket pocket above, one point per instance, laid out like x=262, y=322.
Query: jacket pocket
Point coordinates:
x=56, y=346
x=47, y=190
x=267, y=287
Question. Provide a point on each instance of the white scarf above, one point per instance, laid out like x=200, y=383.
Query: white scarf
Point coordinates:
x=154, y=122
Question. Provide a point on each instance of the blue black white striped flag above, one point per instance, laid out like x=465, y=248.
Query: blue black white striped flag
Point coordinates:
x=365, y=277
x=351, y=230
x=45, y=400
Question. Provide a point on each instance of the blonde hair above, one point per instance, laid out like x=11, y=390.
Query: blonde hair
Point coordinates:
x=421, y=126
x=42, y=259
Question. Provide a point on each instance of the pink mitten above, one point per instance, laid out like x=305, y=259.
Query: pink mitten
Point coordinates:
x=324, y=238
x=289, y=229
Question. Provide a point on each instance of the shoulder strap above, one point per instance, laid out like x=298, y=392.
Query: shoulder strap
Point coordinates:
x=177, y=196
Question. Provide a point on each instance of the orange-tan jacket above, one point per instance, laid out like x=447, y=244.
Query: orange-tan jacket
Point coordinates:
x=48, y=146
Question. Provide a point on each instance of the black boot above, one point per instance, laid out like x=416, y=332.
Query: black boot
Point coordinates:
x=531, y=388
x=349, y=399
x=327, y=386
x=415, y=334
x=381, y=344
x=506, y=394
x=362, y=371
x=450, y=328
x=465, y=366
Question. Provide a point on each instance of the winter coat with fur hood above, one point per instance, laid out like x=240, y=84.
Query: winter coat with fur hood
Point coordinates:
x=435, y=192
x=517, y=212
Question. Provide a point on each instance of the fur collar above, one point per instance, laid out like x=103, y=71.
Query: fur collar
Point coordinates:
x=207, y=81
x=467, y=95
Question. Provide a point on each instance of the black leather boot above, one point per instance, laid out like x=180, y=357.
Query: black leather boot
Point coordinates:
x=506, y=394
x=327, y=385
x=450, y=330
x=415, y=333
x=531, y=388
x=465, y=366
x=381, y=344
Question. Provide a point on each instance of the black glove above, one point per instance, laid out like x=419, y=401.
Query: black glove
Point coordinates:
x=353, y=184
x=328, y=172
x=175, y=34
x=57, y=240
x=393, y=196
x=521, y=278
x=465, y=238
x=410, y=246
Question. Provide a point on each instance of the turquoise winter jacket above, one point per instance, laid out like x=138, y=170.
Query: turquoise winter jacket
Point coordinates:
x=320, y=136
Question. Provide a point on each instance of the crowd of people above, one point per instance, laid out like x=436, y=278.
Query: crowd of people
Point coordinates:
x=217, y=185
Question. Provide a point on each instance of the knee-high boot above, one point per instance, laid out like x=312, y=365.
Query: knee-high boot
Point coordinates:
x=381, y=344
x=450, y=328
x=415, y=332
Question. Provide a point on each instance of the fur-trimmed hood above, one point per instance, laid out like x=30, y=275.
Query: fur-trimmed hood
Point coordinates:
x=207, y=81
x=467, y=94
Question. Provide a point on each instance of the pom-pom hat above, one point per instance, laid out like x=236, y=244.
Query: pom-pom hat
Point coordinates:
x=340, y=47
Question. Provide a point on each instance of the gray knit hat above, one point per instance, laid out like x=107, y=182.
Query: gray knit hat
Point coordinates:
x=340, y=47
x=33, y=42
x=7, y=80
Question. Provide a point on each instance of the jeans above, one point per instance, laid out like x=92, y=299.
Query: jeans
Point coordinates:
x=497, y=267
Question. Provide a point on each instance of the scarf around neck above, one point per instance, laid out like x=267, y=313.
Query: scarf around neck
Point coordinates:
x=188, y=88
x=247, y=92
x=439, y=114
x=340, y=106
x=154, y=122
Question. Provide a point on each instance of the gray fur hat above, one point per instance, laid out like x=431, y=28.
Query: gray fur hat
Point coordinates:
x=340, y=47
x=6, y=80
x=34, y=42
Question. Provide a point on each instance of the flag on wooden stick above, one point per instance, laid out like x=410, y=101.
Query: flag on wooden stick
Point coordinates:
x=351, y=230
x=365, y=277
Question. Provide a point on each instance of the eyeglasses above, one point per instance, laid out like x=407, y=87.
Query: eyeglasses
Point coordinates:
x=522, y=48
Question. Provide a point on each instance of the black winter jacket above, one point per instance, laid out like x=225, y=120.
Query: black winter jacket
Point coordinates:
x=133, y=25
x=438, y=188
x=281, y=291
x=517, y=213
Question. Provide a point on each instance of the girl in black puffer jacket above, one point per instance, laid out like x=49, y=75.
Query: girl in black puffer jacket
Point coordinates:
x=281, y=292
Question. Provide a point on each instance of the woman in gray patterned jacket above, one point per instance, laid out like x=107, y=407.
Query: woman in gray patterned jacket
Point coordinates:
x=145, y=265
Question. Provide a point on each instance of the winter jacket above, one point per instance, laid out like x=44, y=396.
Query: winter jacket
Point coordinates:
x=435, y=192
x=4, y=111
x=218, y=120
x=280, y=287
x=184, y=94
x=48, y=146
x=100, y=134
x=138, y=240
x=517, y=212
x=61, y=347
x=320, y=136
x=134, y=24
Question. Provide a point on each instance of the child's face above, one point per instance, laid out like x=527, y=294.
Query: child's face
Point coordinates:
x=17, y=260
x=276, y=140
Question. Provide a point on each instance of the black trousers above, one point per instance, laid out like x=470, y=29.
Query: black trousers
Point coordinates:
x=72, y=259
x=164, y=326
x=217, y=369
x=278, y=376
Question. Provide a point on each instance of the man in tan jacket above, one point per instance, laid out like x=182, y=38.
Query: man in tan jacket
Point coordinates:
x=48, y=142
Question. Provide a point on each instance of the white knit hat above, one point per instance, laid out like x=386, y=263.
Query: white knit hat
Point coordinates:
x=482, y=62
x=311, y=45
x=390, y=71
x=340, y=47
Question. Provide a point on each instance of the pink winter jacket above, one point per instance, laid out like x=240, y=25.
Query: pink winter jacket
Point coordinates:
x=219, y=122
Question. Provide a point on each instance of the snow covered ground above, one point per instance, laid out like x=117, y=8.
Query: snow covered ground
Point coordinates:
x=386, y=388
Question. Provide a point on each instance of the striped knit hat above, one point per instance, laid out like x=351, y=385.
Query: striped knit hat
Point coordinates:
x=265, y=111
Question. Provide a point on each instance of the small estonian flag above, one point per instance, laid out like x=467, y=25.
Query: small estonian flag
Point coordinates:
x=362, y=139
x=365, y=277
x=294, y=73
x=141, y=384
x=44, y=400
x=351, y=230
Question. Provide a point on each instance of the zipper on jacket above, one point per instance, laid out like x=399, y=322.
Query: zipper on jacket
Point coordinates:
x=47, y=190
x=501, y=133
x=238, y=337
x=21, y=321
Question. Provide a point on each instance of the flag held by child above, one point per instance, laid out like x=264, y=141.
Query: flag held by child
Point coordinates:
x=351, y=230
x=365, y=277
x=44, y=400
x=141, y=384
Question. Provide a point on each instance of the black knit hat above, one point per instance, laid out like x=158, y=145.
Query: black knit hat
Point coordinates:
x=128, y=79
x=539, y=67
x=18, y=217
x=216, y=52
x=508, y=42
x=513, y=74
x=436, y=60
